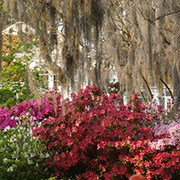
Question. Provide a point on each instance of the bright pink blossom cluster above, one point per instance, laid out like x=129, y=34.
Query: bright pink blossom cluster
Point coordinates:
x=37, y=110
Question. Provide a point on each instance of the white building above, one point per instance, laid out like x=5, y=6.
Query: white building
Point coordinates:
x=37, y=60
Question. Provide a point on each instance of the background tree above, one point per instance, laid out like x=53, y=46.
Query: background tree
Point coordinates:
x=150, y=35
x=2, y=20
x=81, y=21
x=13, y=76
x=139, y=38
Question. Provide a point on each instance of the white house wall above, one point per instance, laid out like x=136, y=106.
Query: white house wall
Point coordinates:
x=16, y=27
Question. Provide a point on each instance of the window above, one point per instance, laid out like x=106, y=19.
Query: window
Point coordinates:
x=44, y=75
x=55, y=80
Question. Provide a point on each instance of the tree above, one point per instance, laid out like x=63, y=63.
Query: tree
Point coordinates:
x=81, y=26
x=2, y=17
x=13, y=76
x=150, y=34
x=140, y=38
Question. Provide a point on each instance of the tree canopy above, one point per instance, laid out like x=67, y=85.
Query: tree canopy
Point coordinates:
x=139, y=38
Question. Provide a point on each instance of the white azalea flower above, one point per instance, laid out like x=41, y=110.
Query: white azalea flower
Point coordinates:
x=25, y=154
x=32, y=155
x=25, y=144
x=41, y=155
x=13, y=155
x=10, y=169
x=47, y=155
x=29, y=161
x=19, y=135
x=16, y=118
x=6, y=128
x=5, y=160
x=30, y=131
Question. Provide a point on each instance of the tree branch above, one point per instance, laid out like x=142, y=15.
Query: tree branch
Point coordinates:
x=167, y=87
x=127, y=33
x=141, y=93
x=148, y=88
x=50, y=8
x=159, y=17
x=168, y=14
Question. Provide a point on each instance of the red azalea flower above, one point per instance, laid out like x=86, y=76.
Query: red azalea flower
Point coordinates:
x=135, y=96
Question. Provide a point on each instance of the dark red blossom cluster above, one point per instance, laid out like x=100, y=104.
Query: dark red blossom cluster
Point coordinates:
x=96, y=137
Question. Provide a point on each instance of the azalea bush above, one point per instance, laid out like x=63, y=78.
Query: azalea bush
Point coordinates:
x=167, y=136
x=95, y=137
x=48, y=106
x=21, y=155
x=156, y=113
x=164, y=125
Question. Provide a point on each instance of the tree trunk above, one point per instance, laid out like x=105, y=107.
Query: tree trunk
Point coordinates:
x=130, y=89
x=2, y=20
x=53, y=34
x=71, y=39
x=176, y=85
x=1, y=44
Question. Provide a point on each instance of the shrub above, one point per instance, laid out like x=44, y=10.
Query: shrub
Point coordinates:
x=38, y=110
x=91, y=136
x=96, y=137
x=21, y=155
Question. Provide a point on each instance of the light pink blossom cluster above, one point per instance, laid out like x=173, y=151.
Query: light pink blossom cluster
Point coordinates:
x=166, y=135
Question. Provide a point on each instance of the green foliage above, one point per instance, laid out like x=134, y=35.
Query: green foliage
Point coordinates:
x=14, y=86
x=52, y=178
x=21, y=155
